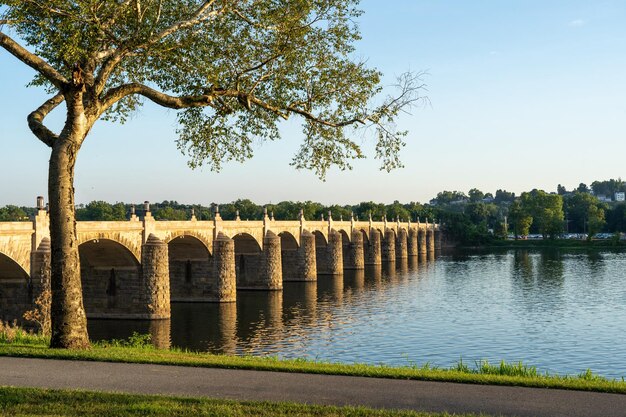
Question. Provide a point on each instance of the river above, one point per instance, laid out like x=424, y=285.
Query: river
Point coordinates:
x=562, y=311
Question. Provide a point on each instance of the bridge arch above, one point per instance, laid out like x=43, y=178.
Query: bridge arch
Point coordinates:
x=18, y=251
x=392, y=230
x=178, y=234
x=190, y=265
x=111, y=278
x=246, y=235
x=289, y=247
x=247, y=259
x=130, y=246
x=320, y=239
x=366, y=236
x=288, y=241
x=16, y=292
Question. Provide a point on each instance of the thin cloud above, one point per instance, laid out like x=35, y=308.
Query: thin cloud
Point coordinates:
x=577, y=23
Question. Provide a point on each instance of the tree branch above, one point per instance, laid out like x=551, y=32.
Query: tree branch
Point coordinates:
x=116, y=94
x=197, y=17
x=35, y=120
x=33, y=61
x=210, y=99
x=106, y=70
x=408, y=83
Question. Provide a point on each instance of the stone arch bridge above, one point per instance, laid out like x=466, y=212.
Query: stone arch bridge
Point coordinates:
x=133, y=269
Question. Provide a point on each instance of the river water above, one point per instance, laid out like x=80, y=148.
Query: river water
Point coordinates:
x=561, y=311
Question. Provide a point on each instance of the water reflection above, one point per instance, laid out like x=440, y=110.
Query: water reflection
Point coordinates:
x=259, y=315
x=300, y=304
x=403, y=267
x=413, y=263
x=389, y=271
x=558, y=310
x=354, y=281
x=330, y=289
x=226, y=322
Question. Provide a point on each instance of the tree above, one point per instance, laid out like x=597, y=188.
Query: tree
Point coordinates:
x=481, y=212
x=585, y=213
x=520, y=220
x=12, y=214
x=397, y=210
x=475, y=195
x=101, y=210
x=234, y=69
x=561, y=190
x=247, y=209
x=366, y=208
x=608, y=188
x=447, y=197
x=170, y=213
x=504, y=196
x=546, y=211
x=582, y=188
x=595, y=221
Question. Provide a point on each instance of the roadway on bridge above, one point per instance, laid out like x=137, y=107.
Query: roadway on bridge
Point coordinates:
x=306, y=388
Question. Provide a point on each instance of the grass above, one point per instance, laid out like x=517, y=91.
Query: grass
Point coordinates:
x=137, y=349
x=39, y=402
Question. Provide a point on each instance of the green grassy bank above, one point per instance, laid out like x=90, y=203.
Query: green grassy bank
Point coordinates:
x=136, y=350
x=39, y=402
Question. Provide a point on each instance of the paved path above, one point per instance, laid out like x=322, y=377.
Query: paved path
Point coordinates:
x=311, y=389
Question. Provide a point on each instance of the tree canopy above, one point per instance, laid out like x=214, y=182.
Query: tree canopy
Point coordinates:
x=235, y=68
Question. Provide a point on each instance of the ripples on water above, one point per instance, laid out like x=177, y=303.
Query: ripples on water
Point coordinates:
x=561, y=311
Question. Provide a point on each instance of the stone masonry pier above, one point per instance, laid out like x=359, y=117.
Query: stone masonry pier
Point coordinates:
x=134, y=269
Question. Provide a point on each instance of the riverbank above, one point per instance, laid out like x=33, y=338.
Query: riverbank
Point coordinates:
x=137, y=350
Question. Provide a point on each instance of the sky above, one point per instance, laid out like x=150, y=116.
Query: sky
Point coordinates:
x=523, y=94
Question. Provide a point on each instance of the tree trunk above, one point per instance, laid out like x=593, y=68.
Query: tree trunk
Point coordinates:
x=69, y=322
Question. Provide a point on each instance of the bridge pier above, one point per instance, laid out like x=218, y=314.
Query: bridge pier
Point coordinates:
x=373, y=255
x=412, y=247
x=155, y=279
x=331, y=262
x=421, y=240
x=402, y=250
x=271, y=271
x=389, y=246
x=430, y=240
x=224, y=269
x=307, y=265
x=355, y=252
x=40, y=269
x=438, y=240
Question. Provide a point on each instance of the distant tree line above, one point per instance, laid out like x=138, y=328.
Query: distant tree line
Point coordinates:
x=248, y=210
x=472, y=218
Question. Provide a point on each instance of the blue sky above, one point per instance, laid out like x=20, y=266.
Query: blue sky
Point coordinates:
x=523, y=94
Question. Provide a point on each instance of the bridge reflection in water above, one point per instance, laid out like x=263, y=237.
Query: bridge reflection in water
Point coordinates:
x=265, y=322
